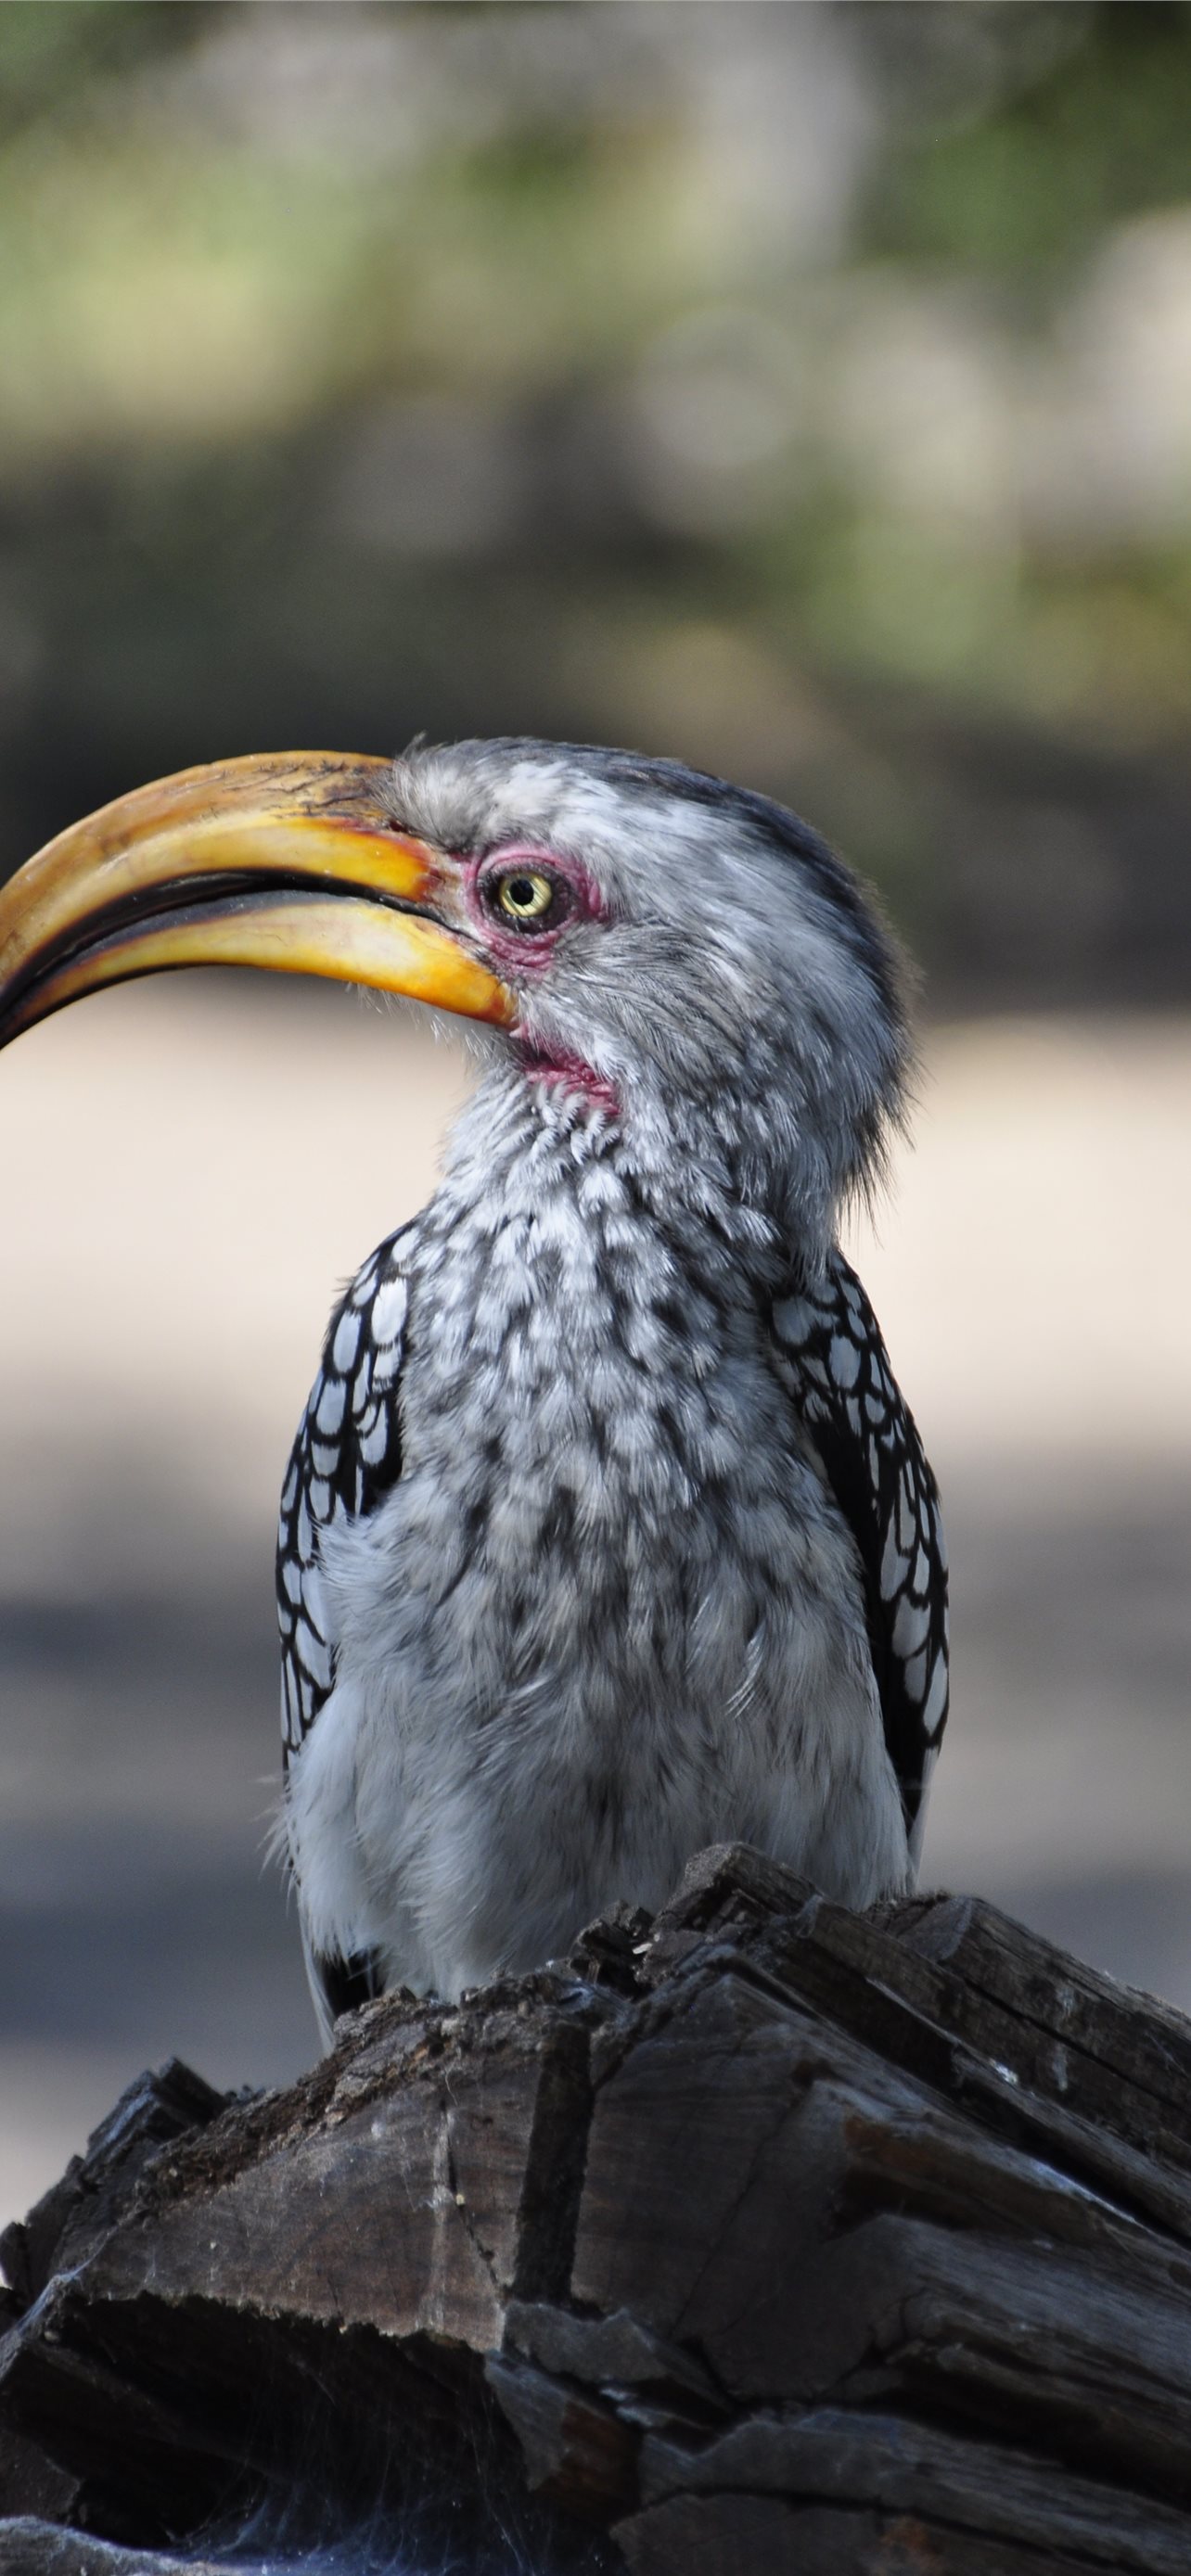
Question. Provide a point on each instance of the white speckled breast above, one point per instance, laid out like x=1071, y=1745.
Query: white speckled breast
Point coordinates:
x=609, y=1612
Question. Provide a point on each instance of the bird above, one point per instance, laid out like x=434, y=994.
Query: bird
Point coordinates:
x=607, y=1533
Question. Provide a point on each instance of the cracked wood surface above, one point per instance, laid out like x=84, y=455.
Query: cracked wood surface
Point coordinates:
x=759, y=2236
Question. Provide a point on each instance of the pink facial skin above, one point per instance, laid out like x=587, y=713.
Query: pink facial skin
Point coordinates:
x=572, y=1073
x=526, y=952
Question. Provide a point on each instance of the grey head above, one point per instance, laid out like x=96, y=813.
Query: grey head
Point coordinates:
x=703, y=958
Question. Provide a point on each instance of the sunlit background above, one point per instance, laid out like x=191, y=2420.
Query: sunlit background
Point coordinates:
x=803, y=390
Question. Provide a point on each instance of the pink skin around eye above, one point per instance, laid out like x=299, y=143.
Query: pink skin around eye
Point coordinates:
x=527, y=951
x=523, y=953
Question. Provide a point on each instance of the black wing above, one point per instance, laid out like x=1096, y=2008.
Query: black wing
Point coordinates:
x=877, y=1469
x=346, y=1457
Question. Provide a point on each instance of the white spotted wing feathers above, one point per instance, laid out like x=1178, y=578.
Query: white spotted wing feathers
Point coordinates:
x=875, y=1465
x=346, y=1455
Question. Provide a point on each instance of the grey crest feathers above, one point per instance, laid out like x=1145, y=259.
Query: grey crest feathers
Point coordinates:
x=607, y=1532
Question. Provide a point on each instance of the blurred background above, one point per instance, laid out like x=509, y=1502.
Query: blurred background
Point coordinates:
x=802, y=390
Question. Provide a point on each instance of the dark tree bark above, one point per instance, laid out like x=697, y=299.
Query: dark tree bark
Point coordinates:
x=760, y=2237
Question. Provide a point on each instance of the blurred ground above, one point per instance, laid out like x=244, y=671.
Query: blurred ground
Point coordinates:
x=163, y=1288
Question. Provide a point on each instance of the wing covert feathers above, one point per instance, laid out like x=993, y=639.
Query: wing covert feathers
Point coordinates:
x=346, y=1455
x=877, y=1469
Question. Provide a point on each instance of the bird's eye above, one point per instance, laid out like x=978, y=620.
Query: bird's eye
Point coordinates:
x=526, y=897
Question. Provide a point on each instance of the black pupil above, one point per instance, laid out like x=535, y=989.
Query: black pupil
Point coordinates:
x=522, y=893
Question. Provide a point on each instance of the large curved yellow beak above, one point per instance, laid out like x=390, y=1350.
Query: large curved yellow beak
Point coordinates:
x=285, y=860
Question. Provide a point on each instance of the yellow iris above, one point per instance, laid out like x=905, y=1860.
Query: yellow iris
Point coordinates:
x=525, y=895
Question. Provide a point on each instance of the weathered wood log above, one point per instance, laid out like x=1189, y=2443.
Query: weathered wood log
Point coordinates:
x=760, y=2237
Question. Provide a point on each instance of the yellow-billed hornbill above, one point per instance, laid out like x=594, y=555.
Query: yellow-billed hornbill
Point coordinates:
x=607, y=1533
